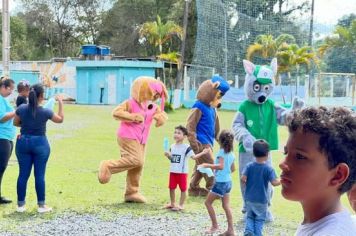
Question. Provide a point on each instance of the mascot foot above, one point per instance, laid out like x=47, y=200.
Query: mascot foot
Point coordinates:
x=104, y=173
x=193, y=192
x=136, y=197
x=203, y=192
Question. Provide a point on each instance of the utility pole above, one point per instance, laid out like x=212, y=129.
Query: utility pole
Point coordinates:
x=182, y=49
x=311, y=29
x=5, y=37
x=311, y=24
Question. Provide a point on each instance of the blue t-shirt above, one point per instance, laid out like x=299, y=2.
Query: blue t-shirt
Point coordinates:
x=7, y=129
x=33, y=125
x=224, y=175
x=258, y=177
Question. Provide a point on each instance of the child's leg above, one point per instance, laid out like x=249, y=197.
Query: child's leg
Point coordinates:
x=250, y=220
x=172, y=194
x=227, y=209
x=259, y=227
x=209, y=206
x=183, y=196
x=183, y=185
x=172, y=186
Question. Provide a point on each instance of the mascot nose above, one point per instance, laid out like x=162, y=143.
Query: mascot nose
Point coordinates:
x=262, y=99
x=219, y=105
x=150, y=106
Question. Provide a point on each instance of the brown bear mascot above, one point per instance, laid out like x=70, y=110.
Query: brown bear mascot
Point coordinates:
x=136, y=115
x=203, y=126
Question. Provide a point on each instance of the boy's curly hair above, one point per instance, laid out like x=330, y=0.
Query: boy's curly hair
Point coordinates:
x=336, y=128
x=226, y=140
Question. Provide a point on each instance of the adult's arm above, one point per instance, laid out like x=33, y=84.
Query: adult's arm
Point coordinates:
x=59, y=117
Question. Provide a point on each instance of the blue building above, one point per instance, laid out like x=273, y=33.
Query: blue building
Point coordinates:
x=109, y=82
x=31, y=76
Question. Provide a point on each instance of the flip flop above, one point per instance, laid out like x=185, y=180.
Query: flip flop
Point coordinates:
x=177, y=208
x=211, y=231
x=168, y=206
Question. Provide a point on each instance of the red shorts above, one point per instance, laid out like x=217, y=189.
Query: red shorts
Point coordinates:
x=179, y=179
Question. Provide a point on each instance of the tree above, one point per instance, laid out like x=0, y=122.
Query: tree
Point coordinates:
x=157, y=33
x=338, y=50
x=18, y=41
x=120, y=27
x=289, y=55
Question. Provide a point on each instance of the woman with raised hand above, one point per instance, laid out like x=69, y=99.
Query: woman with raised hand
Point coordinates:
x=7, y=129
x=32, y=147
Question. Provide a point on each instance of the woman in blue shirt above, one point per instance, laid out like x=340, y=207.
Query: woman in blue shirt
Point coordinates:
x=7, y=129
x=32, y=148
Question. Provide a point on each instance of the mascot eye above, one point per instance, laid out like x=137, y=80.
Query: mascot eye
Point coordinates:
x=266, y=87
x=256, y=87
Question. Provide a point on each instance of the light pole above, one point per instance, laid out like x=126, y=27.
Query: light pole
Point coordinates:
x=5, y=37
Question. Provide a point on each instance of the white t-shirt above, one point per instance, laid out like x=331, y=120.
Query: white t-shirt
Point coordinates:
x=337, y=224
x=179, y=159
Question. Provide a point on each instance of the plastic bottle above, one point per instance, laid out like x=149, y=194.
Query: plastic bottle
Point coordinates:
x=166, y=144
x=50, y=104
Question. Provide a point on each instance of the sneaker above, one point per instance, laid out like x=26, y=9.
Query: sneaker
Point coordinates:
x=21, y=209
x=44, y=209
x=4, y=200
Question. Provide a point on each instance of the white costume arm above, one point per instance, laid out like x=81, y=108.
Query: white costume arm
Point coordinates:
x=241, y=133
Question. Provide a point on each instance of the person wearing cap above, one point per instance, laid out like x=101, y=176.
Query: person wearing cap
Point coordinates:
x=258, y=117
x=136, y=115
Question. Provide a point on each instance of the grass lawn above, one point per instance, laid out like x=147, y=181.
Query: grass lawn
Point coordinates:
x=87, y=136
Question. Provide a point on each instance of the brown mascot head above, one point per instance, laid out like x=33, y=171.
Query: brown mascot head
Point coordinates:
x=211, y=91
x=145, y=90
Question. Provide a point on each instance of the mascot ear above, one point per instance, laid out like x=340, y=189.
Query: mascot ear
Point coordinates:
x=249, y=67
x=145, y=92
x=274, y=66
x=216, y=84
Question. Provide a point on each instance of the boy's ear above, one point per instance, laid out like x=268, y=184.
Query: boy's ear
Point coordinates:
x=341, y=173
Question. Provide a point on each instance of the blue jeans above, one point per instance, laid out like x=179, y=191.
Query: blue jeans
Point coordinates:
x=255, y=218
x=32, y=150
x=221, y=188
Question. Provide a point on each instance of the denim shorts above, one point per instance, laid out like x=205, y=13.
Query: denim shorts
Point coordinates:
x=221, y=188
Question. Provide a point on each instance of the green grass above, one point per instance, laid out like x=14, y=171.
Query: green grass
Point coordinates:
x=87, y=136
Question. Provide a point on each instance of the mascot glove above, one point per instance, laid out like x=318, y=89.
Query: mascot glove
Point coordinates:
x=160, y=118
x=138, y=118
x=297, y=103
x=247, y=142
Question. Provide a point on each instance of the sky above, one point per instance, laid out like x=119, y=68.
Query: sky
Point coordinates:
x=329, y=11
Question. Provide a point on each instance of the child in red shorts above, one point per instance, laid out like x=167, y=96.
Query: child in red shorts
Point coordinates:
x=179, y=154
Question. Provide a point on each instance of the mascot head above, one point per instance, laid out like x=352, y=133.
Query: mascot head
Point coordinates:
x=259, y=81
x=146, y=90
x=211, y=91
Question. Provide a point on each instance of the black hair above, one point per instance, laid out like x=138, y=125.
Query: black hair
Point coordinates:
x=6, y=82
x=22, y=86
x=182, y=128
x=226, y=140
x=336, y=128
x=260, y=148
x=36, y=91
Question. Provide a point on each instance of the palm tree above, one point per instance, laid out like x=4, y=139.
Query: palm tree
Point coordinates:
x=171, y=57
x=291, y=58
x=266, y=46
x=158, y=33
x=343, y=37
